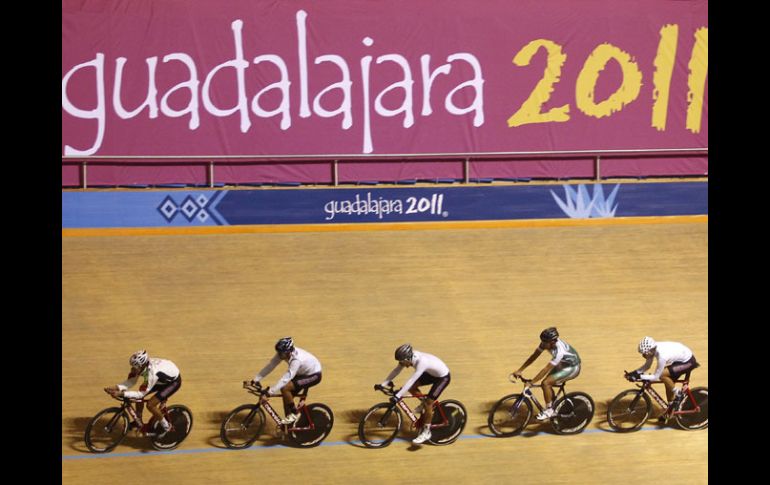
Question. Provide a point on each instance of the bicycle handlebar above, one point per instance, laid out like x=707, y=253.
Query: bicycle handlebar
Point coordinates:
x=513, y=378
x=387, y=390
x=255, y=388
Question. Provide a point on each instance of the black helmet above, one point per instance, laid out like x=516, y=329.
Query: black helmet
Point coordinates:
x=285, y=344
x=549, y=334
x=404, y=352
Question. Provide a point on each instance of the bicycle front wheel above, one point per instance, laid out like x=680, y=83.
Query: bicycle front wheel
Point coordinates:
x=629, y=410
x=181, y=421
x=242, y=426
x=572, y=413
x=509, y=415
x=692, y=419
x=380, y=425
x=320, y=427
x=106, y=430
x=456, y=418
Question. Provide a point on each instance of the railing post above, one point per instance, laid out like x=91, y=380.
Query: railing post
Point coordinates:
x=211, y=173
x=467, y=170
x=84, y=174
x=335, y=175
x=597, y=168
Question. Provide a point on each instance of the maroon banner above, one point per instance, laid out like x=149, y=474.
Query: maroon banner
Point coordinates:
x=253, y=77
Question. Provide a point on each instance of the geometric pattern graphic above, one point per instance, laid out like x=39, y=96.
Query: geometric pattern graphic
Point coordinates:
x=191, y=208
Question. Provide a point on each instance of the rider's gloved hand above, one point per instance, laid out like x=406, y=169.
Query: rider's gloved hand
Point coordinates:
x=377, y=387
x=633, y=376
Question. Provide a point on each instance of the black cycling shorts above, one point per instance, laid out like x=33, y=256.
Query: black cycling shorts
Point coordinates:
x=439, y=384
x=678, y=368
x=305, y=382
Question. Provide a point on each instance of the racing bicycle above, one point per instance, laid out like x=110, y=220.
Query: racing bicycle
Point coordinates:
x=629, y=410
x=511, y=414
x=382, y=422
x=244, y=424
x=109, y=427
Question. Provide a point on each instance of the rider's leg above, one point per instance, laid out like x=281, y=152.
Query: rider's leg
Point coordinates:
x=427, y=414
x=668, y=381
x=427, y=417
x=154, y=406
x=287, y=392
x=548, y=384
x=556, y=377
x=414, y=391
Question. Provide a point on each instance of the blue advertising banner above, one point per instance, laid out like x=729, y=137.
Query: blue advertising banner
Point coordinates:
x=412, y=204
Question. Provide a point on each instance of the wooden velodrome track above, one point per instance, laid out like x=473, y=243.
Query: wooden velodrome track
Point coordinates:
x=478, y=298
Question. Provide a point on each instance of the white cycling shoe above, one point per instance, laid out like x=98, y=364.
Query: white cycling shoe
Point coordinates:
x=547, y=413
x=290, y=418
x=422, y=437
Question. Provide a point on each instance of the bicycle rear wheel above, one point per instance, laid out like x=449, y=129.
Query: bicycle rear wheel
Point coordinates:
x=181, y=421
x=456, y=418
x=629, y=410
x=242, y=426
x=572, y=413
x=380, y=425
x=106, y=430
x=322, y=419
x=509, y=415
x=694, y=420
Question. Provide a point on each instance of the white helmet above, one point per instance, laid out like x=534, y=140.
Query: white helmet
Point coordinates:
x=647, y=344
x=138, y=359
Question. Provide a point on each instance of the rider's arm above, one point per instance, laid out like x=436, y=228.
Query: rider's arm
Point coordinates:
x=412, y=380
x=543, y=372
x=293, y=368
x=268, y=368
x=392, y=375
x=647, y=365
x=531, y=359
x=129, y=382
x=152, y=379
x=658, y=372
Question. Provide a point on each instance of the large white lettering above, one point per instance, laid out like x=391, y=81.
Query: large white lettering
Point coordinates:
x=225, y=91
x=98, y=113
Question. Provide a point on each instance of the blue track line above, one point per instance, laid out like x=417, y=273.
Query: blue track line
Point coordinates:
x=265, y=448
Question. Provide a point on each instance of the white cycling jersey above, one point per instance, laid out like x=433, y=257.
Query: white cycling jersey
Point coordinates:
x=157, y=371
x=667, y=353
x=301, y=362
x=422, y=362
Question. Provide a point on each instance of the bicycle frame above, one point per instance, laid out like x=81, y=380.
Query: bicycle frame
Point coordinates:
x=531, y=396
x=258, y=391
x=128, y=406
x=410, y=414
x=646, y=386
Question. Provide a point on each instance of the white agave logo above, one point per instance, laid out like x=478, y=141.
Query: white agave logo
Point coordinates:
x=579, y=205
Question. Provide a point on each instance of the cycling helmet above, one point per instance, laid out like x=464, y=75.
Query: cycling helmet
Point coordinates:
x=646, y=345
x=549, y=334
x=404, y=353
x=285, y=344
x=138, y=359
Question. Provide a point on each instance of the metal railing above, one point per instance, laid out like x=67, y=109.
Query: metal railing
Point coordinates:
x=334, y=160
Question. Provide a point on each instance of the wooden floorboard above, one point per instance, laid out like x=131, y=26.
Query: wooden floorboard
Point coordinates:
x=478, y=298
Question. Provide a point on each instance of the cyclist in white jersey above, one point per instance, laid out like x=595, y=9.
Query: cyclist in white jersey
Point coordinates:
x=564, y=366
x=304, y=372
x=674, y=359
x=428, y=369
x=161, y=376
